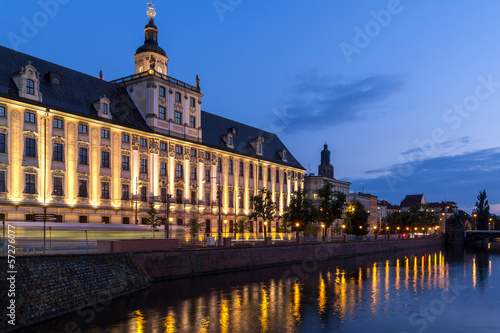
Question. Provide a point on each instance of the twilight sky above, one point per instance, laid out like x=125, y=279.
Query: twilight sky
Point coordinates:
x=406, y=93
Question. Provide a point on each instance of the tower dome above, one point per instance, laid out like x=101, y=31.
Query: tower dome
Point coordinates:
x=150, y=56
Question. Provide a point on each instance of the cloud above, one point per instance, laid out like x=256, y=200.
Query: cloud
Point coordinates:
x=320, y=101
x=456, y=178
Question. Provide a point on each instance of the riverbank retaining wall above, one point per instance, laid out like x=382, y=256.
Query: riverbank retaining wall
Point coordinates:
x=176, y=264
x=49, y=286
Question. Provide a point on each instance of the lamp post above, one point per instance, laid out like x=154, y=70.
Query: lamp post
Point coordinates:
x=342, y=230
x=45, y=176
x=225, y=225
x=234, y=223
x=265, y=229
x=297, y=230
x=324, y=230
x=475, y=215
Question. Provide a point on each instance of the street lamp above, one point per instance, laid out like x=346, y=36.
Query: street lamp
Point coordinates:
x=342, y=230
x=166, y=201
x=265, y=229
x=475, y=215
x=297, y=229
x=225, y=224
x=324, y=230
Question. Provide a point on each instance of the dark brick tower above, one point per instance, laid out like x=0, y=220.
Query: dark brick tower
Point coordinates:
x=325, y=169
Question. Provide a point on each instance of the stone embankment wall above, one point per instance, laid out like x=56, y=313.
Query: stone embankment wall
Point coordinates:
x=175, y=264
x=48, y=286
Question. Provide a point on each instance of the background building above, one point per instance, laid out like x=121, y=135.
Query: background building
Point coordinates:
x=94, y=151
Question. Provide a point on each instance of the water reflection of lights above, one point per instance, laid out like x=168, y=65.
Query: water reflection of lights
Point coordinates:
x=474, y=272
x=281, y=304
x=139, y=322
x=375, y=288
x=170, y=322
x=296, y=302
x=322, y=295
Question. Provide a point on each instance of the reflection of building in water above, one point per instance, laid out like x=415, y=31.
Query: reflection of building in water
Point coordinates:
x=331, y=293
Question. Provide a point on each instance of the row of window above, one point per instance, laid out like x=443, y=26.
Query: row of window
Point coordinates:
x=251, y=171
x=58, y=155
x=163, y=93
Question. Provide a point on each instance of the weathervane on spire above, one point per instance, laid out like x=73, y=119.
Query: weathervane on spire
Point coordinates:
x=151, y=11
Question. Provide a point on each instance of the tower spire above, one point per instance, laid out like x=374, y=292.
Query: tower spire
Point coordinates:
x=325, y=169
x=150, y=49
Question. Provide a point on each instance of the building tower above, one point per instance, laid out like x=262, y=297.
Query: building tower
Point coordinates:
x=325, y=169
x=150, y=55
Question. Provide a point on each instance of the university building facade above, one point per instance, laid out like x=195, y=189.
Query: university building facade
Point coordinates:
x=94, y=151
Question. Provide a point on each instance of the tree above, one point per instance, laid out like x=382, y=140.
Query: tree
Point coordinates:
x=301, y=211
x=483, y=211
x=243, y=225
x=194, y=226
x=356, y=219
x=153, y=220
x=263, y=207
x=331, y=204
x=417, y=216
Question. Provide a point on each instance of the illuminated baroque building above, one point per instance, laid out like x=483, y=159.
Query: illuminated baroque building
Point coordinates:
x=88, y=149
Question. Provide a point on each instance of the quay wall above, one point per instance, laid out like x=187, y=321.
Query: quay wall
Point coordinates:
x=49, y=286
x=178, y=264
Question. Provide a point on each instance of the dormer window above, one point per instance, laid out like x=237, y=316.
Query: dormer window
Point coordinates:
x=141, y=68
x=30, y=87
x=102, y=107
x=282, y=154
x=230, y=140
x=28, y=83
x=259, y=148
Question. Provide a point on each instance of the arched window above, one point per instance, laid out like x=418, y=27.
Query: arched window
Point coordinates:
x=219, y=165
x=250, y=171
x=230, y=167
x=260, y=172
x=268, y=174
x=241, y=169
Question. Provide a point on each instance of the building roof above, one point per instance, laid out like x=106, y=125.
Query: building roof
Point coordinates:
x=75, y=94
x=78, y=91
x=215, y=127
x=387, y=204
x=412, y=199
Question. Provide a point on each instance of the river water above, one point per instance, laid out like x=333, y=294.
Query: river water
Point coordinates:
x=429, y=290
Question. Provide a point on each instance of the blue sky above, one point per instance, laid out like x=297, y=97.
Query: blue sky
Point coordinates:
x=406, y=93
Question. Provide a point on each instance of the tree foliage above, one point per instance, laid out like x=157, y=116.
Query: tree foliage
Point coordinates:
x=300, y=210
x=153, y=220
x=194, y=226
x=356, y=219
x=482, y=210
x=264, y=207
x=243, y=225
x=331, y=204
x=417, y=216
